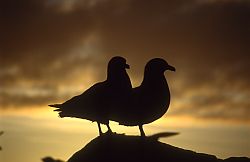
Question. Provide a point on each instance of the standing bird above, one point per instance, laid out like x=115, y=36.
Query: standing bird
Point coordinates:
x=150, y=100
x=97, y=102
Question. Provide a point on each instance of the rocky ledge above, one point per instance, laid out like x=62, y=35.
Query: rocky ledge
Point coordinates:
x=122, y=148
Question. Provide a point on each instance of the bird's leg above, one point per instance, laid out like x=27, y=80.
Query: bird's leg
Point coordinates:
x=99, y=128
x=109, y=129
x=142, y=131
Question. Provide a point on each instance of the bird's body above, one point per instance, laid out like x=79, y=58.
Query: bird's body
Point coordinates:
x=100, y=100
x=150, y=100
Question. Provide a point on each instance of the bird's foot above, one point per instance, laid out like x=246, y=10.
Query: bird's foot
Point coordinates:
x=143, y=134
x=142, y=131
x=109, y=132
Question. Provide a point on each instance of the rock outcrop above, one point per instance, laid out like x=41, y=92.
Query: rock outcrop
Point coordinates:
x=122, y=148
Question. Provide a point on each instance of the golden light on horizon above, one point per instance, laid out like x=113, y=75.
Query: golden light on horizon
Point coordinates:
x=44, y=126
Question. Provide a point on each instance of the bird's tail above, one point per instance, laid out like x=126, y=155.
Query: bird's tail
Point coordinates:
x=62, y=112
x=55, y=105
x=58, y=106
x=59, y=110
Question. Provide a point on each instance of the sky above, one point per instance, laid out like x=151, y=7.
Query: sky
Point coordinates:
x=52, y=50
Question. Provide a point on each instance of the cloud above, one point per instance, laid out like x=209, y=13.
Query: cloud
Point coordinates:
x=52, y=44
x=213, y=102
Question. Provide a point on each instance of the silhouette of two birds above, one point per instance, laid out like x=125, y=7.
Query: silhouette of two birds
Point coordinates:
x=115, y=99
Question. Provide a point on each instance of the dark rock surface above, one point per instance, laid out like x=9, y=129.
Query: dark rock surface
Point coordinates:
x=121, y=148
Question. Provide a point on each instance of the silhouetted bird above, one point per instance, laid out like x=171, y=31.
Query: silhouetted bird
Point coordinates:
x=150, y=100
x=96, y=103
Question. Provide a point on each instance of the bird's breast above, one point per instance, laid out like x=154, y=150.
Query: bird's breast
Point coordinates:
x=155, y=101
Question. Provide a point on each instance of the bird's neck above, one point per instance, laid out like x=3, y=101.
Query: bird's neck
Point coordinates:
x=118, y=77
x=154, y=79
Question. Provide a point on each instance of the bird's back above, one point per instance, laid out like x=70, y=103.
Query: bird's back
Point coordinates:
x=91, y=105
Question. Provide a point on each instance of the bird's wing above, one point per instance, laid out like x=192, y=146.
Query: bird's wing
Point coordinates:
x=86, y=104
x=93, y=95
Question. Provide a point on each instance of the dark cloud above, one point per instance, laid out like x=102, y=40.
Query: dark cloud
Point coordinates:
x=49, y=44
x=35, y=36
x=34, y=30
x=213, y=102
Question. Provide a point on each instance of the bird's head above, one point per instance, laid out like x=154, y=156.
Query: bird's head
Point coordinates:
x=117, y=63
x=158, y=65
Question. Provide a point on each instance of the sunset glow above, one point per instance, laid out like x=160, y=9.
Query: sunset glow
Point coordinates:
x=53, y=50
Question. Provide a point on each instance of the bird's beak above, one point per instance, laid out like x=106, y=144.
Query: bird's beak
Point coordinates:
x=127, y=66
x=169, y=67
